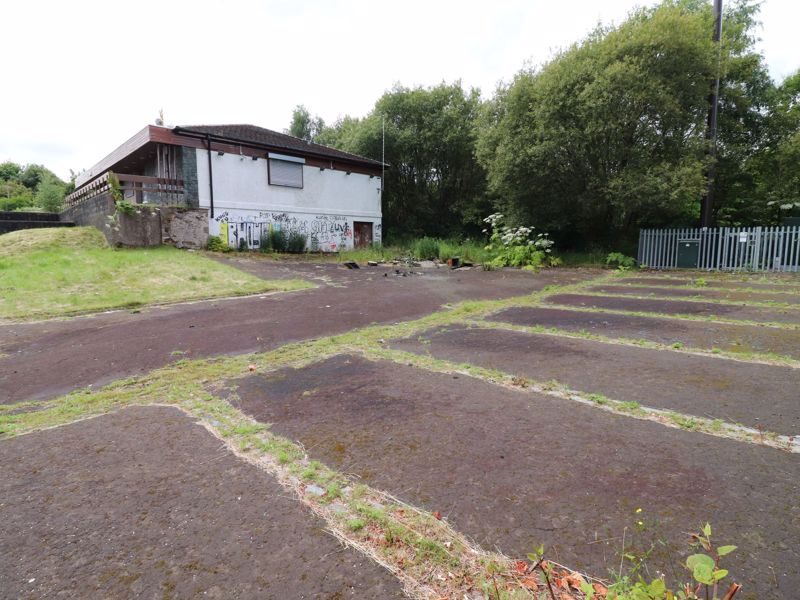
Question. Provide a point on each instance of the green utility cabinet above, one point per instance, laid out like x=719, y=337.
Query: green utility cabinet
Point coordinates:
x=688, y=254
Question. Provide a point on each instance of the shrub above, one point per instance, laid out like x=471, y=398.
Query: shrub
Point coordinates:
x=243, y=245
x=215, y=244
x=296, y=242
x=425, y=248
x=517, y=246
x=620, y=261
x=277, y=240
x=265, y=244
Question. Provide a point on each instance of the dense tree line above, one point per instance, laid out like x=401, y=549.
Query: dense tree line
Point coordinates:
x=31, y=187
x=607, y=137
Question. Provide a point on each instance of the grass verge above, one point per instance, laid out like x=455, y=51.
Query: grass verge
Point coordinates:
x=56, y=272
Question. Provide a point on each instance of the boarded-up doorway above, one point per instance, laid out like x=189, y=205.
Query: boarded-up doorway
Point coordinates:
x=362, y=234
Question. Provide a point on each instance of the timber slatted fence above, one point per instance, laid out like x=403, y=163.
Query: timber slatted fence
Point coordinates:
x=722, y=248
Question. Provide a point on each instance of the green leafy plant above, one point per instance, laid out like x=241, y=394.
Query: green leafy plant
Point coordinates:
x=425, y=248
x=215, y=244
x=704, y=567
x=115, y=187
x=126, y=208
x=620, y=261
x=296, y=242
x=517, y=246
x=278, y=240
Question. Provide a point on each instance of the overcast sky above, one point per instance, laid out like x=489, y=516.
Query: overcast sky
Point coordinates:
x=79, y=77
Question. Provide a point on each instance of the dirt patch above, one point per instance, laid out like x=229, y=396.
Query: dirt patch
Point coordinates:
x=709, y=387
x=733, y=295
x=145, y=504
x=682, y=307
x=732, y=338
x=516, y=469
x=47, y=359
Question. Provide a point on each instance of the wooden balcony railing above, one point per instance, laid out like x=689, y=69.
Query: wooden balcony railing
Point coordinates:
x=135, y=189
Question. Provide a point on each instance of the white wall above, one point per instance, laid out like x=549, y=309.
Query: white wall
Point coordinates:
x=324, y=209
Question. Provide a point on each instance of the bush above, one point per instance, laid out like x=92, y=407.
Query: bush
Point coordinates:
x=425, y=248
x=215, y=244
x=265, y=244
x=278, y=240
x=296, y=242
x=620, y=261
x=275, y=240
x=517, y=246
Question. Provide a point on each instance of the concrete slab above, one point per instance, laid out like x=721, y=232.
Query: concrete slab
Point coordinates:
x=42, y=360
x=732, y=338
x=704, y=309
x=694, y=292
x=778, y=282
x=751, y=394
x=144, y=503
x=515, y=469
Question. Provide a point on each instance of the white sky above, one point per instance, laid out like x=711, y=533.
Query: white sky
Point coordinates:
x=81, y=77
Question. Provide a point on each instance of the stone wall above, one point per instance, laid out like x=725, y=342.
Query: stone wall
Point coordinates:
x=184, y=228
x=138, y=230
x=150, y=226
x=94, y=211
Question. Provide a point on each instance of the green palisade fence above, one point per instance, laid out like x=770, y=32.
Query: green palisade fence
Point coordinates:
x=722, y=248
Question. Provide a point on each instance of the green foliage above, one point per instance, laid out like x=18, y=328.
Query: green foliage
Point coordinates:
x=434, y=186
x=15, y=196
x=32, y=187
x=304, y=126
x=517, y=246
x=425, y=248
x=50, y=194
x=114, y=186
x=274, y=240
x=215, y=244
x=296, y=242
x=126, y=208
x=620, y=261
x=607, y=137
x=60, y=271
x=704, y=568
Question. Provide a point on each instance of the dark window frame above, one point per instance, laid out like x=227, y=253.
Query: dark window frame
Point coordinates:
x=294, y=187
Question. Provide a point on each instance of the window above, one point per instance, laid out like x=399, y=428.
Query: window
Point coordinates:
x=285, y=170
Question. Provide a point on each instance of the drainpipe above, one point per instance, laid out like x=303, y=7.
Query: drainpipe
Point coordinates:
x=210, y=176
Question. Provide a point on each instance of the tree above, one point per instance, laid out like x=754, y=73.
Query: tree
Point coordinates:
x=10, y=171
x=609, y=135
x=50, y=194
x=434, y=185
x=774, y=169
x=304, y=126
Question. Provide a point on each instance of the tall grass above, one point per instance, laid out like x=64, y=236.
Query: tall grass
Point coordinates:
x=419, y=249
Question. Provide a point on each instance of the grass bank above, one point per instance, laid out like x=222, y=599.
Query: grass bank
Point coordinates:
x=55, y=272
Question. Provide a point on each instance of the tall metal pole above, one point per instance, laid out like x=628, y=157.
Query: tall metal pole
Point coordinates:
x=707, y=205
x=383, y=152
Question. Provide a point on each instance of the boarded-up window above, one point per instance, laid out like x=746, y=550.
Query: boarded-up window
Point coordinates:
x=284, y=172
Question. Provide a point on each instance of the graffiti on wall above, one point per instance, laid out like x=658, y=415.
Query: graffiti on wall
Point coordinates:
x=326, y=233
